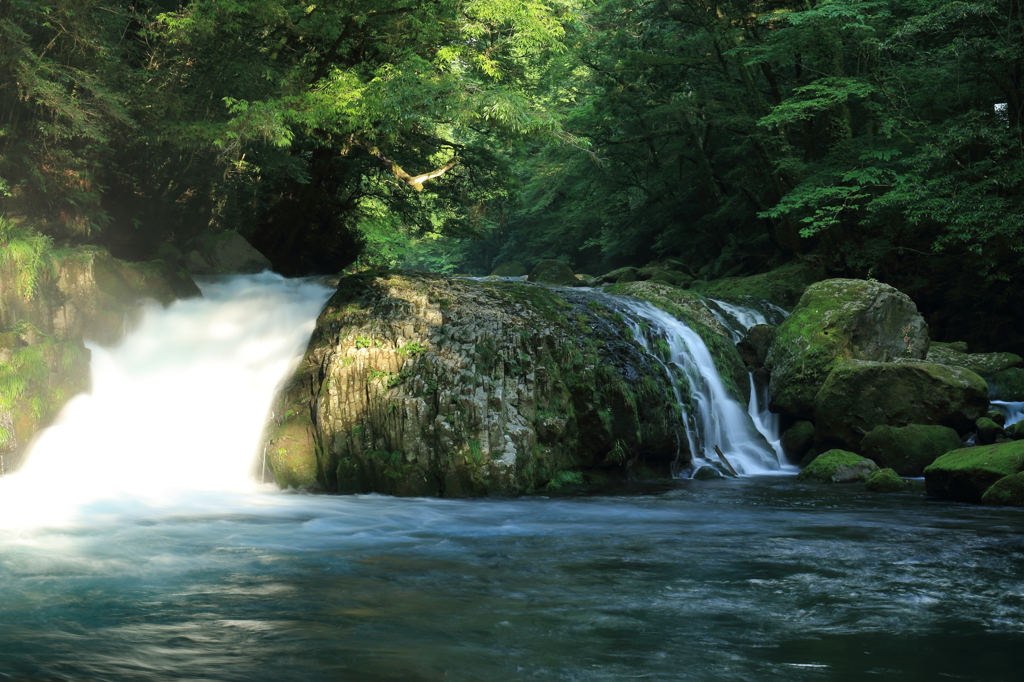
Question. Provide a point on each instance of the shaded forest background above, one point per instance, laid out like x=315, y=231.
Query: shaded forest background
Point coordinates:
x=873, y=139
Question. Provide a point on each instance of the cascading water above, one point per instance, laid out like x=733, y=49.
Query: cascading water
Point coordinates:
x=715, y=418
x=179, y=405
x=1014, y=411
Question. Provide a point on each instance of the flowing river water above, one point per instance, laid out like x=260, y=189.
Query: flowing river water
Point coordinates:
x=152, y=570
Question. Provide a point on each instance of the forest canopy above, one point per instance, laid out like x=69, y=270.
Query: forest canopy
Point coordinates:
x=874, y=138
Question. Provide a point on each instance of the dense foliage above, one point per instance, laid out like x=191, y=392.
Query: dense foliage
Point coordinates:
x=880, y=138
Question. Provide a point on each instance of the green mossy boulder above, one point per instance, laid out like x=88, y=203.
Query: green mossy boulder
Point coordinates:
x=859, y=395
x=554, y=273
x=707, y=473
x=907, y=450
x=885, y=481
x=511, y=268
x=782, y=286
x=1007, y=385
x=964, y=475
x=838, y=466
x=834, y=321
x=797, y=440
x=983, y=364
x=420, y=384
x=1007, y=491
x=988, y=431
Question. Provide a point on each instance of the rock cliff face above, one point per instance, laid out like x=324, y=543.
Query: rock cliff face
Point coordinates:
x=84, y=294
x=416, y=384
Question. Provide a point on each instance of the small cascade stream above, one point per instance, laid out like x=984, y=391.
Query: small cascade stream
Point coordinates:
x=710, y=415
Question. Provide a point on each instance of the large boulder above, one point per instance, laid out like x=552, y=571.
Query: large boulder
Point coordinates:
x=860, y=395
x=797, y=440
x=416, y=384
x=838, y=320
x=226, y=253
x=907, y=450
x=966, y=474
x=838, y=466
x=554, y=273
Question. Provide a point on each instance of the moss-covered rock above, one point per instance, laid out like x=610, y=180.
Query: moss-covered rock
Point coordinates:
x=797, y=440
x=838, y=466
x=834, y=321
x=987, y=431
x=885, y=481
x=554, y=273
x=966, y=474
x=225, y=253
x=1007, y=385
x=417, y=384
x=1007, y=491
x=782, y=286
x=753, y=347
x=512, y=268
x=859, y=395
x=983, y=364
x=907, y=450
x=692, y=308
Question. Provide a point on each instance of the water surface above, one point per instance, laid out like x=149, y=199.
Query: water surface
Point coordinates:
x=756, y=579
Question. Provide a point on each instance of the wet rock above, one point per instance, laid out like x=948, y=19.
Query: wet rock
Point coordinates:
x=987, y=431
x=416, y=384
x=554, y=273
x=754, y=345
x=859, y=395
x=838, y=466
x=707, y=473
x=964, y=475
x=1008, y=491
x=907, y=450
x=797, y=440
x=885, y=481
x=838, y=320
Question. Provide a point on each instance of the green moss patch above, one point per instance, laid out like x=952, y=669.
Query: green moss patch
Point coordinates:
x=1008, y=491
x=838, y=466
x=966, y=474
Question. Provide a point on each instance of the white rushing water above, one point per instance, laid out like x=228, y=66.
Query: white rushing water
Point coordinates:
x=715, y=419
x=179, y=405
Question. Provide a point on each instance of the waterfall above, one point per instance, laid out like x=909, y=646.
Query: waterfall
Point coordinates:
x=1014, y=411
x=178, y=405
x=714, y=418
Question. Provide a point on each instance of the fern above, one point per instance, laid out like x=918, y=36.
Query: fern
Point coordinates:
x=31, y=255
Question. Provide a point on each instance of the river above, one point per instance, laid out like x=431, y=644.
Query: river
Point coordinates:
x=134, y=547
